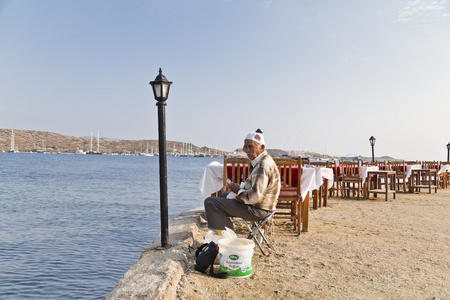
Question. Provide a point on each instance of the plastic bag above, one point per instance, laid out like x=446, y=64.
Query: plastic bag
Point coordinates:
x=228, y=233
x=212, y=236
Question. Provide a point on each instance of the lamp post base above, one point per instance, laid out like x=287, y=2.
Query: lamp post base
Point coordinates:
x=163, y=247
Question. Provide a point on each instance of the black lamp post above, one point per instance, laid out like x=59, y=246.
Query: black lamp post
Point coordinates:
x=161, y=88
x=448, y=152
x=372, y=143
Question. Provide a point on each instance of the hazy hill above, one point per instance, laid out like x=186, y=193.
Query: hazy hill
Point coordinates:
x=42, y=141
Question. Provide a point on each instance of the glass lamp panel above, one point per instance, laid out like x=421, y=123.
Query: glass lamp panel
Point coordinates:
x=157, y=90
x=165, y=90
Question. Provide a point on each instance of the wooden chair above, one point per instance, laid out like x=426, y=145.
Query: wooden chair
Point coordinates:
x=412, y=162
x=236, y=169
x=335, y=190
x=400, y=173
x=444, y=177
x=383, y=165
x=351, y=179
x=289, y=201
x=430, y=165
x=322, y=192
x=434, y=165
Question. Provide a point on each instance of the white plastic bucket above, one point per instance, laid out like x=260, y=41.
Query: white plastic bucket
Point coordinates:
x=236, y=257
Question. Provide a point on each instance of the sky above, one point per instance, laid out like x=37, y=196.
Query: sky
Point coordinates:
x=321, y=76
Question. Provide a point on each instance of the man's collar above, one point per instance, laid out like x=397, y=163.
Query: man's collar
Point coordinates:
x=256, y=160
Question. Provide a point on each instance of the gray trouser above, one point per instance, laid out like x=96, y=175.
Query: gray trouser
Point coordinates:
x=219, y=210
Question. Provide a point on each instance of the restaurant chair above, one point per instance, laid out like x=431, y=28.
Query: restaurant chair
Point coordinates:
x=400, y=174
x=351, y=182
x=433, y=165
x=289, y=200
x=383, y=165
x=430, y=165
x=335, y=189
x=236, y=169
x=444, y=177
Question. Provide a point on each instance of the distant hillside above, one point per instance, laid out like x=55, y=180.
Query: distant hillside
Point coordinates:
x=42, y=141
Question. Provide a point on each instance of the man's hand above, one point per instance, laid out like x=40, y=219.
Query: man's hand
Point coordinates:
x=234, y=187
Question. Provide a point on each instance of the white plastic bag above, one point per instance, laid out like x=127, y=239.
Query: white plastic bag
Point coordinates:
x=212, y=236
x=228, y=233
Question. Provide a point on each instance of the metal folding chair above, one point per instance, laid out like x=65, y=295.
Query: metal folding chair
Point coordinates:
x=257, y=232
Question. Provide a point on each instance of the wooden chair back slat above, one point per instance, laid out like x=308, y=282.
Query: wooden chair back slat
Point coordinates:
x=239, y=169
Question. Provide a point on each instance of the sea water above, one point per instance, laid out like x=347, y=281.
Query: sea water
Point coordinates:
x=71, y=225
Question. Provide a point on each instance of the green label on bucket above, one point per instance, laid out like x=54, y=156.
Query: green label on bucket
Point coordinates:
x=236, y=268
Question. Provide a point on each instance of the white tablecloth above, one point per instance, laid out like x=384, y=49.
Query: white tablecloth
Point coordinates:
x=212, y=179
x=411, y=167
x=365, y=170
x=444, y=168
x=308, y=181
x=321, y=174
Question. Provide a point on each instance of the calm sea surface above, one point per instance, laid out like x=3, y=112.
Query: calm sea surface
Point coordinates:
x=71, y=225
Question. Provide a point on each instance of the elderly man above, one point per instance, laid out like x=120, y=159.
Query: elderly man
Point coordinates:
x=257, y=198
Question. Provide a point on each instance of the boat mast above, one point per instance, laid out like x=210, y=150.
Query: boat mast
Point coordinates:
x=13, y=147
x=98, y=141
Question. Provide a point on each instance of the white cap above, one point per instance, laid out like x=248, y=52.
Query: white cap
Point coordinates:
x=254, y=135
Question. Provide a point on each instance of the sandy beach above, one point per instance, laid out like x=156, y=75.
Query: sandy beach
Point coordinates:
x=355, y=249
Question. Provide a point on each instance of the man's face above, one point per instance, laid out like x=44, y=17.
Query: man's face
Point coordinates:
x=252, y=149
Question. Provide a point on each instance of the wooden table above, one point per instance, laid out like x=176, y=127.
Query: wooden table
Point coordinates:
x=379, y=178
x=423, y=179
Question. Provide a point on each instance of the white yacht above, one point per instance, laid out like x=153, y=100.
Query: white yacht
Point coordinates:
x=79, y=151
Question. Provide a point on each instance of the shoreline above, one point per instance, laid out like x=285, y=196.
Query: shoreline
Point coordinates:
x=355, y=249
x=157, y=272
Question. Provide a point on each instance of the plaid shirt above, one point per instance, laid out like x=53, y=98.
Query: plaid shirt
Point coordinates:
x=262, y=187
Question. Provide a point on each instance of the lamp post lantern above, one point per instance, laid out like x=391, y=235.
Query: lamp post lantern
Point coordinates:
x=448, y=152
x=161, y=88
x=372, y=143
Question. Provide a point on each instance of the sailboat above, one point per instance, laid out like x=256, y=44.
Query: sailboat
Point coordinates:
x=13, y=148
x=98, y=145
x=146, y=152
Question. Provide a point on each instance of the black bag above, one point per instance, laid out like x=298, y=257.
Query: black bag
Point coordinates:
x=206, y=254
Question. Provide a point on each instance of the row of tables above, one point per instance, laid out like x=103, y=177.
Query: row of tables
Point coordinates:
x=416, y=177
x=312, y=180
x=314, y=177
